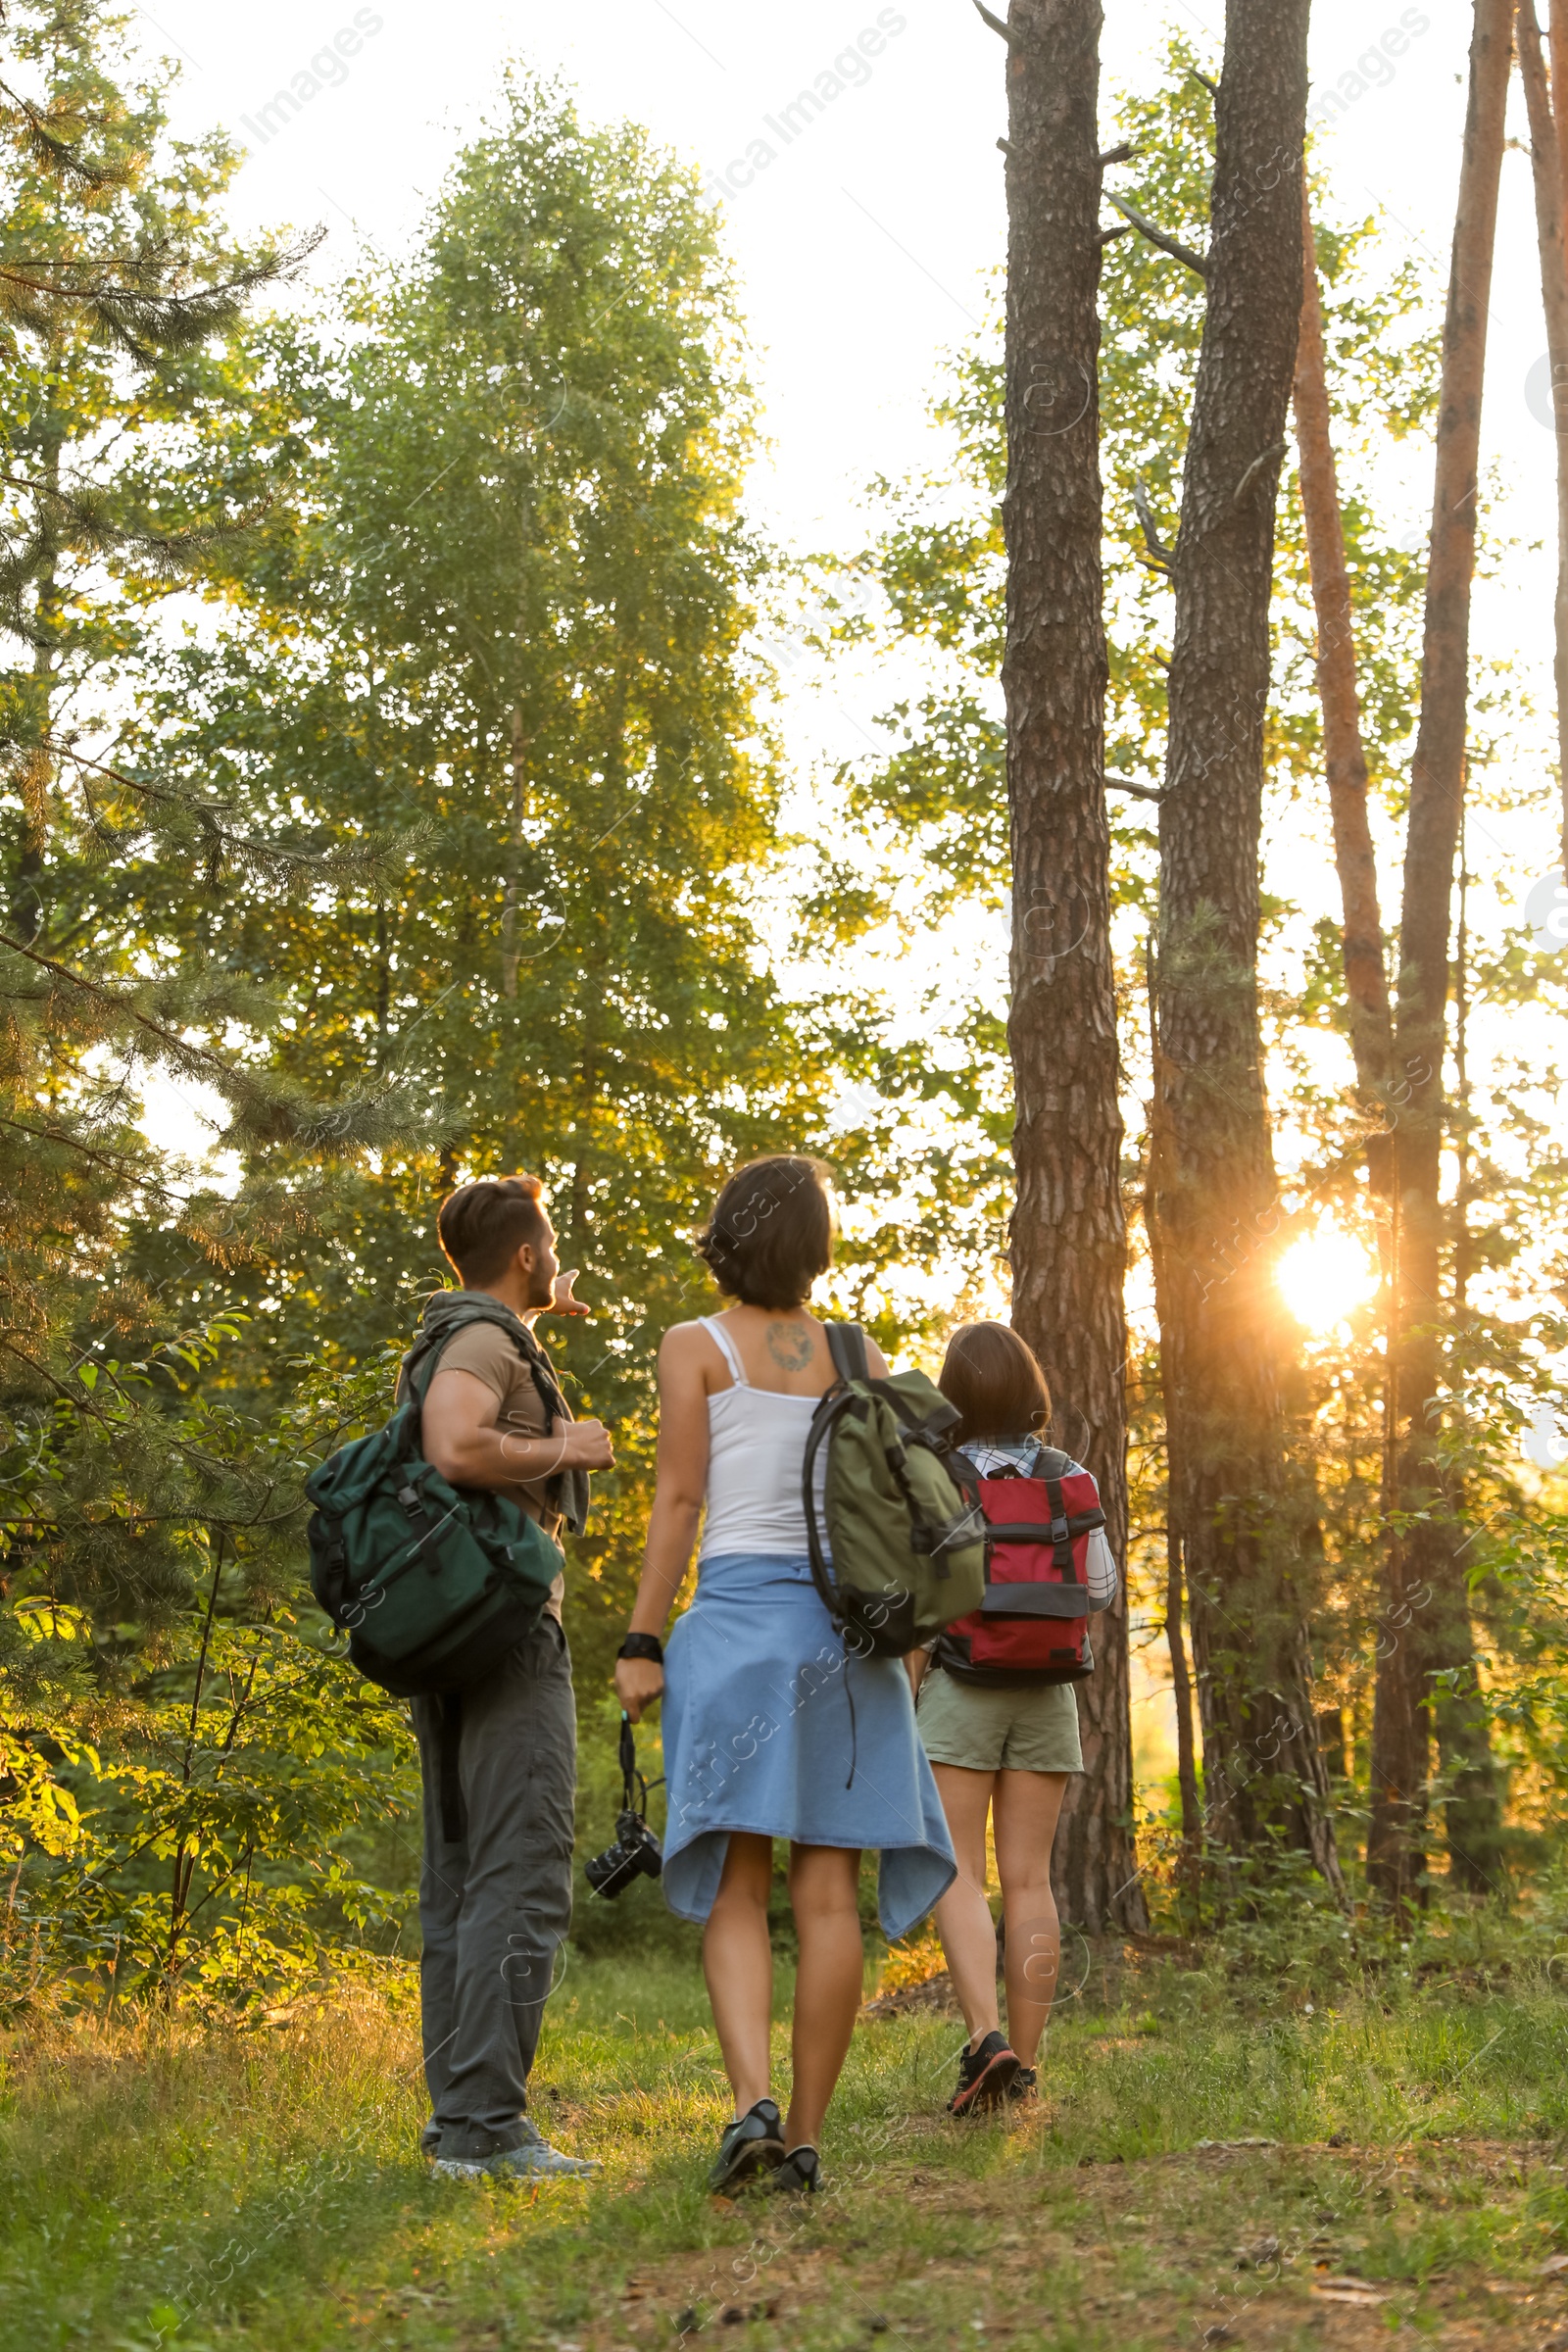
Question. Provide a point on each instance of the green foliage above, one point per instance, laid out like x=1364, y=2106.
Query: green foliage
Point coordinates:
x=480, y=698
x=192, y=1785
x=118, y=350
x=502, y=606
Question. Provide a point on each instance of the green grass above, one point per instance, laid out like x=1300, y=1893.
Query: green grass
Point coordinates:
x=187, y=2188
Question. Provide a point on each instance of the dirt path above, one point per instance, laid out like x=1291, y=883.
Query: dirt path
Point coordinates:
x=1250, y=2245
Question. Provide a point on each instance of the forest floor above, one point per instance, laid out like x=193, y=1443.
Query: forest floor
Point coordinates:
x=1204, y=2169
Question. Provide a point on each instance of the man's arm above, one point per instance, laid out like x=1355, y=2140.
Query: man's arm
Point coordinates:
x=463, y=1442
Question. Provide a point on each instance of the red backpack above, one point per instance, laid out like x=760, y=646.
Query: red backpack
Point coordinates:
x=1033, y=1626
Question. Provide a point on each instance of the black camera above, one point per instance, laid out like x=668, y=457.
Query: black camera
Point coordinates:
x=636, y=1852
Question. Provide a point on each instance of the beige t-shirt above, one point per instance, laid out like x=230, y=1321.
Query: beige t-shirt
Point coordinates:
x=484, y=1350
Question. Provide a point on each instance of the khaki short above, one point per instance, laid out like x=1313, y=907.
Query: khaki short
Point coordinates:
x=999, y=1730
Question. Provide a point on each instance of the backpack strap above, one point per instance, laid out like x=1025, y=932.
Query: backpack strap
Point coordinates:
x=826, y=1414
x=1061, y=1534
x=420, y=1364
x=1049, y=1462
x=846, y=1344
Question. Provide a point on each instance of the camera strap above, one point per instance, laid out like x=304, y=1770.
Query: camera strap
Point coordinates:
x=634, y=1791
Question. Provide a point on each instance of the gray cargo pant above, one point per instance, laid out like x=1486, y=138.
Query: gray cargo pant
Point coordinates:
x=495, y=1903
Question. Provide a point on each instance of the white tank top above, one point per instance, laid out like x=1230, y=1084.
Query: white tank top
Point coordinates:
x=756, y=1455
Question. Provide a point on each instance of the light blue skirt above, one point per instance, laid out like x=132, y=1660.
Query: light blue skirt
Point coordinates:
x=769, y=1728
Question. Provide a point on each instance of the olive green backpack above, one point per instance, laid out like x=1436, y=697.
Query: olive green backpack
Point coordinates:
x=899, y=1548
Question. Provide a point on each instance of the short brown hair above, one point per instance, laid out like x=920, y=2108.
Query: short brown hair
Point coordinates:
x=771, y=1232
x=482, y=1226
x=995, y=1380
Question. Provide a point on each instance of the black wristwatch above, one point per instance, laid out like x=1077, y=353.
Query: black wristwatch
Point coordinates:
x=643, y=1645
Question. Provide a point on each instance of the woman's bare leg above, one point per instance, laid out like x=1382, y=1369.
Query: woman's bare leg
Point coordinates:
x=738, y=1963
x=963, y=1916
x=824, y=1890
x=1028, y=1804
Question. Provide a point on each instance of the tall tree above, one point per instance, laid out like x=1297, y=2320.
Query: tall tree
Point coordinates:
x=1212, y=1180
x=120, y=299
x=1545, y=102
x=1366, y=979
x=1427, y=1574
x=506, y=606
x=1069, y=1245
x=940, y=570
x=119, y=295
x=119, y=291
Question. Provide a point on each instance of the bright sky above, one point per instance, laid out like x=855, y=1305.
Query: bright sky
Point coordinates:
x=863, y=245
x=860, y=246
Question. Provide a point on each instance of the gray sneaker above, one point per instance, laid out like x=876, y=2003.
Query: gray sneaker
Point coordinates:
x=534, y=2160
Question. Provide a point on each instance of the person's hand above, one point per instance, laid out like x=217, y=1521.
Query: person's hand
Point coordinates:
x=585, y=1446
x=638, y=1682
x=564, y=1302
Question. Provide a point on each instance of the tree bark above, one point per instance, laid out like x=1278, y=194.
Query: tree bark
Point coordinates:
x=1068, y=1231
x=1212, y=1181
x=1182, y=1690
x=1366, y=981
x=1157, y=1176
x=1428, y=1611
x=1546, y=161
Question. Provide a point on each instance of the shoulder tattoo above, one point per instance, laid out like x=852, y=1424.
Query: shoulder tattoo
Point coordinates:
x=789, y=1346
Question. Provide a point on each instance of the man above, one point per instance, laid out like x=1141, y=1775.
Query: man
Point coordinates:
x=499, y=1765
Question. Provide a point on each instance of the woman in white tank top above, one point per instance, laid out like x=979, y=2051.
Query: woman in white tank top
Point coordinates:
x=770, y=1731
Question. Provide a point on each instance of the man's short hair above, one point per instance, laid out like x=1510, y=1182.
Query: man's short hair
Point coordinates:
x=482, y=1226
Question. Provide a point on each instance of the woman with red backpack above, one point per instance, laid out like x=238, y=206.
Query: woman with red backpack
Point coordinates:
x=996, y=1707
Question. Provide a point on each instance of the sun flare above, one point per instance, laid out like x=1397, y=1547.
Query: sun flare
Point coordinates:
x=1325, y=1276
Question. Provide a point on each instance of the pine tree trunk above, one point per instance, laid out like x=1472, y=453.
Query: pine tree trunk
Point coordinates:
x=1428, y=1606
x=1552, y=235
x=1068, y=1231
x=1213, y=1188
x=1557, y=36
x=1366, y=983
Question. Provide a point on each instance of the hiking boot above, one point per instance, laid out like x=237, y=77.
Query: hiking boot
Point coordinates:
x=1025, y=2084
x=799, y=2176
x=985, y=2076
x=533, y=2160
x=752, y=2143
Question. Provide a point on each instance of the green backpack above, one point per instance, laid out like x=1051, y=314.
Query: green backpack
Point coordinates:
x=434, y=1584
x=904, y=1523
